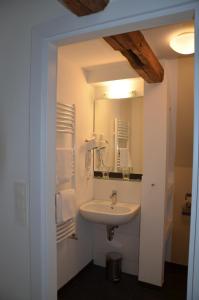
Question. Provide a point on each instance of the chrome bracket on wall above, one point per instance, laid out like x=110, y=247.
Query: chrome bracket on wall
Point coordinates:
x=110, y=229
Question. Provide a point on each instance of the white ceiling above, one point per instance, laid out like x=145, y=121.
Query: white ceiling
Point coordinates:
x=92, y=53
x=97, y=52
x=158, y=38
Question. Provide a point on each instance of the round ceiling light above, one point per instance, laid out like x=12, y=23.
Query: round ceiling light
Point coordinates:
x=183, y=43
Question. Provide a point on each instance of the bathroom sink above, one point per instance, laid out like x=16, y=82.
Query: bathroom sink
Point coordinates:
x=101, y=211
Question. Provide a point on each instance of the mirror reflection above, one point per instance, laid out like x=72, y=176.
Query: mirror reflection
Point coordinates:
x=118, y=125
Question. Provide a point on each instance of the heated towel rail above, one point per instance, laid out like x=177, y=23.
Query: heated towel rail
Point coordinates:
x=65, y=125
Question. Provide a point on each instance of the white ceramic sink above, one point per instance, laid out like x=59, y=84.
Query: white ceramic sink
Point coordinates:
x=101, y=211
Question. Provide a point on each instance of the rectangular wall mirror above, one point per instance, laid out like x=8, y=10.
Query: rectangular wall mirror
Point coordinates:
x=118, y=123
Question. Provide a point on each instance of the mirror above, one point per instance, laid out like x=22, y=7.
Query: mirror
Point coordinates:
x=119, y=122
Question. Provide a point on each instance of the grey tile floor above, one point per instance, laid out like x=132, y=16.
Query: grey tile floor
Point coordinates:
x=91, y=284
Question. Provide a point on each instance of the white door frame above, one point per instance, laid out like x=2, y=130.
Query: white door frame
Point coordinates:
x=45, y=39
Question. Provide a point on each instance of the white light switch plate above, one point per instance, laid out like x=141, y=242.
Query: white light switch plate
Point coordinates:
x=20, y=193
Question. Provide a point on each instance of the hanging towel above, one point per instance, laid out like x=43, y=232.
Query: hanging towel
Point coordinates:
x=65, y=205
x=58, y=208
x=123, y=157
x=64, y=165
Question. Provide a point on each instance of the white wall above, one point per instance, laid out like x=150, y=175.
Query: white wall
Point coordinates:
x=16, y=21
x=110, y=71
x=184, y=125
x=151, y=257
x=126, y=239
x=72, y=88
x=184, y=156
x=159, y=172
x=171, y=70
x=181, y=226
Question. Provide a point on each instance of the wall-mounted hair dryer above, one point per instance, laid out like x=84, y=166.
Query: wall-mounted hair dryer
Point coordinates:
x=96, y=142
x=93, y=143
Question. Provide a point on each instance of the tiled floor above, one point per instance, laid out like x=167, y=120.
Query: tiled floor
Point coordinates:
x=91, y=284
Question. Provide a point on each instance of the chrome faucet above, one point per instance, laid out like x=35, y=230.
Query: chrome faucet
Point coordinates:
x=113, y=197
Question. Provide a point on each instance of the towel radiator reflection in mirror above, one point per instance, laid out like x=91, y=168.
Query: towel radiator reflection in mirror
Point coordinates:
x=121, y=140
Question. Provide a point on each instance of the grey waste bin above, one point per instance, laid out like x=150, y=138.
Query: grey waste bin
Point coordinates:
x=113, y=266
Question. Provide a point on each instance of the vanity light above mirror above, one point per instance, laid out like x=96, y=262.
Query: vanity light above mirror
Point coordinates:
x=119, y=89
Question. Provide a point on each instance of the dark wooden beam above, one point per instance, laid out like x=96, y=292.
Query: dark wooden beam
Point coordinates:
x=139, y=54
x=85, y=7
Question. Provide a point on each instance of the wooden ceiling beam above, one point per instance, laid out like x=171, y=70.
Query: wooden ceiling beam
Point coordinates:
x=85, y=7
x=135, y=48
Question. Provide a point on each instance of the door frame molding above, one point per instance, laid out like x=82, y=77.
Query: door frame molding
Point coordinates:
x=45, y=40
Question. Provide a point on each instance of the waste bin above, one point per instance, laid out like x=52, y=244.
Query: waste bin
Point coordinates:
x=113, y=266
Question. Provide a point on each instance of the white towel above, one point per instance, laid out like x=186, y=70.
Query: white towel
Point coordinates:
x=65, y=205
x=123, y=157
x=64, y=165
x=58, y=208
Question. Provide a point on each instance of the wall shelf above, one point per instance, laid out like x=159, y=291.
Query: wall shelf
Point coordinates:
x=117, y=176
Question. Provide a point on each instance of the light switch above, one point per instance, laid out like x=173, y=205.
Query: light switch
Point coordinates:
x=20, y=193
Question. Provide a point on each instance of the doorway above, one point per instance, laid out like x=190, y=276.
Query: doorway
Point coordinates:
x=46, y=175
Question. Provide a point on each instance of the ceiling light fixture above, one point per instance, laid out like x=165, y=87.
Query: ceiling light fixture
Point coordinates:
x=183, y=43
